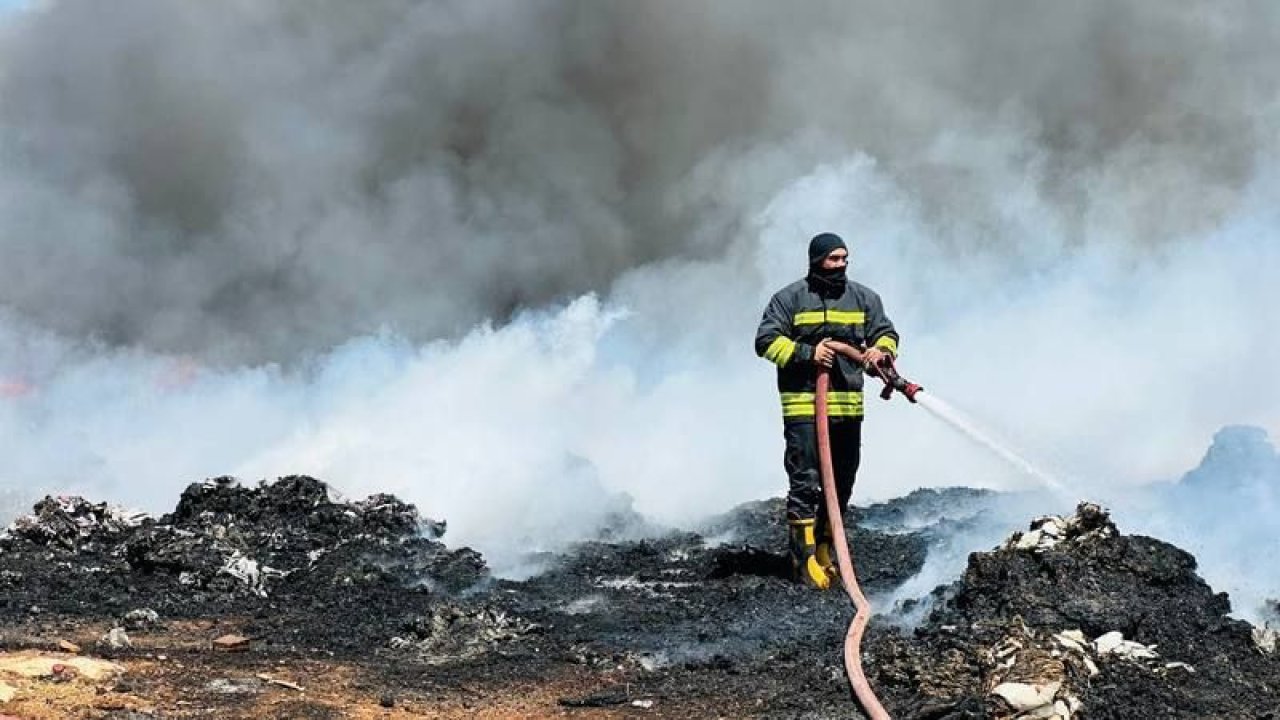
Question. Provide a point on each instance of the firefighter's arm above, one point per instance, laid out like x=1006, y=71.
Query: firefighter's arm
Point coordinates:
x=773, y=337
x=880, y=332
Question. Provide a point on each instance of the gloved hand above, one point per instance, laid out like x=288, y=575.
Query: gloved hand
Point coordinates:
x=874, y=357
x=824, y=354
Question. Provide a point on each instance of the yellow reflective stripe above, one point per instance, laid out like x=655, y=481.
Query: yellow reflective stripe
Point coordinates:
x=833, y=396
x=830, y=317
x=846, y=317
x=888, y=343
x=780, y=351
x=833, y=411
x=840, y=403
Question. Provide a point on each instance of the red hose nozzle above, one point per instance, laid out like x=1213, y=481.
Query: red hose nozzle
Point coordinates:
x=893, y=381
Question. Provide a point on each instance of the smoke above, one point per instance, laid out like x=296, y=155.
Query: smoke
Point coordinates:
x=253, y=181
x=506, y=258
x=1223, y=512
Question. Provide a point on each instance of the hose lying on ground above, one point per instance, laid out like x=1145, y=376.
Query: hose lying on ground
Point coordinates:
x=853, y=638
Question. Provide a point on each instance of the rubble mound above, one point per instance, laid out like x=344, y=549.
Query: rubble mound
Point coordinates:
x=73, y=523
x=1073, y=617
x=294, y=528
x=229, y=548
x=1069, y=618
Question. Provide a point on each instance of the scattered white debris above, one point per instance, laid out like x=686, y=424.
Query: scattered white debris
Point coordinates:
x=278, y=682
x=7, y=692
x=1089, y=522
x=224, y=481
x=248, y=571
x=1027, y=696
x=1107, y=642
x=1034, y=675
x=1113, y=643
x=1035, y=539
x=1072, y=640
x=452, y=633
x=1091, y=666
x=1266, y=639
x=1031, y=675
x=1077, y=648
x=141, y=618
x=1007, y=648
x=233, y=686
x=116, y=639
x=654, y=588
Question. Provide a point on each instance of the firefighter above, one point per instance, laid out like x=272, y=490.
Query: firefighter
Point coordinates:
x=809, y=324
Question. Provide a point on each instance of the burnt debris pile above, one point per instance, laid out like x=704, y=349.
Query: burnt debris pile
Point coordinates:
x=1072, y=618
x=1069, y=618
x=290, y=545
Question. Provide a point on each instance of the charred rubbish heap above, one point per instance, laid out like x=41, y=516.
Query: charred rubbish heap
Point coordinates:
x=1069, y=618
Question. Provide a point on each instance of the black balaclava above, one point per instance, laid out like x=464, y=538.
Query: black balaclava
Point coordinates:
x=819, y=247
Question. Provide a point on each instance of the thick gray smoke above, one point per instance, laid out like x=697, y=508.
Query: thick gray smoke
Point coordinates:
x=251, y=180
x=505, y=258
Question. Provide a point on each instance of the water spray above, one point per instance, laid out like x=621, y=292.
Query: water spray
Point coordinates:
x=893, y=381
x=958, y=420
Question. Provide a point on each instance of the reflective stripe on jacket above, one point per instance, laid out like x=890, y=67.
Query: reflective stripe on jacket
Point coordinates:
x=797, y=318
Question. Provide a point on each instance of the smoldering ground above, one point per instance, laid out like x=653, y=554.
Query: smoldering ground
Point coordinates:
x=362, y=242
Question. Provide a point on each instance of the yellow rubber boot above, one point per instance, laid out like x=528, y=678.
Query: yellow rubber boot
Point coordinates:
x=804, y=562
x=825, y=553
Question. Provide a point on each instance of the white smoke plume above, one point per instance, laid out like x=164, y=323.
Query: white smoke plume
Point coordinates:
x=506, y=258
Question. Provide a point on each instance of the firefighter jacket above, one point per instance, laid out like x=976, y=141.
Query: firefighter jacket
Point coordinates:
x=801, y=315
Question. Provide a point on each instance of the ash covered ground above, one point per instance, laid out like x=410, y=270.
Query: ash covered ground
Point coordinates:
x=1070, y=617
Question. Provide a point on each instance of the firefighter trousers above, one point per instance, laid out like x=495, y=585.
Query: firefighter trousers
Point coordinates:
x=805, y=497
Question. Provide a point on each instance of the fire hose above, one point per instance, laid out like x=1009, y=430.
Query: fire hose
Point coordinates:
x=835, y=519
